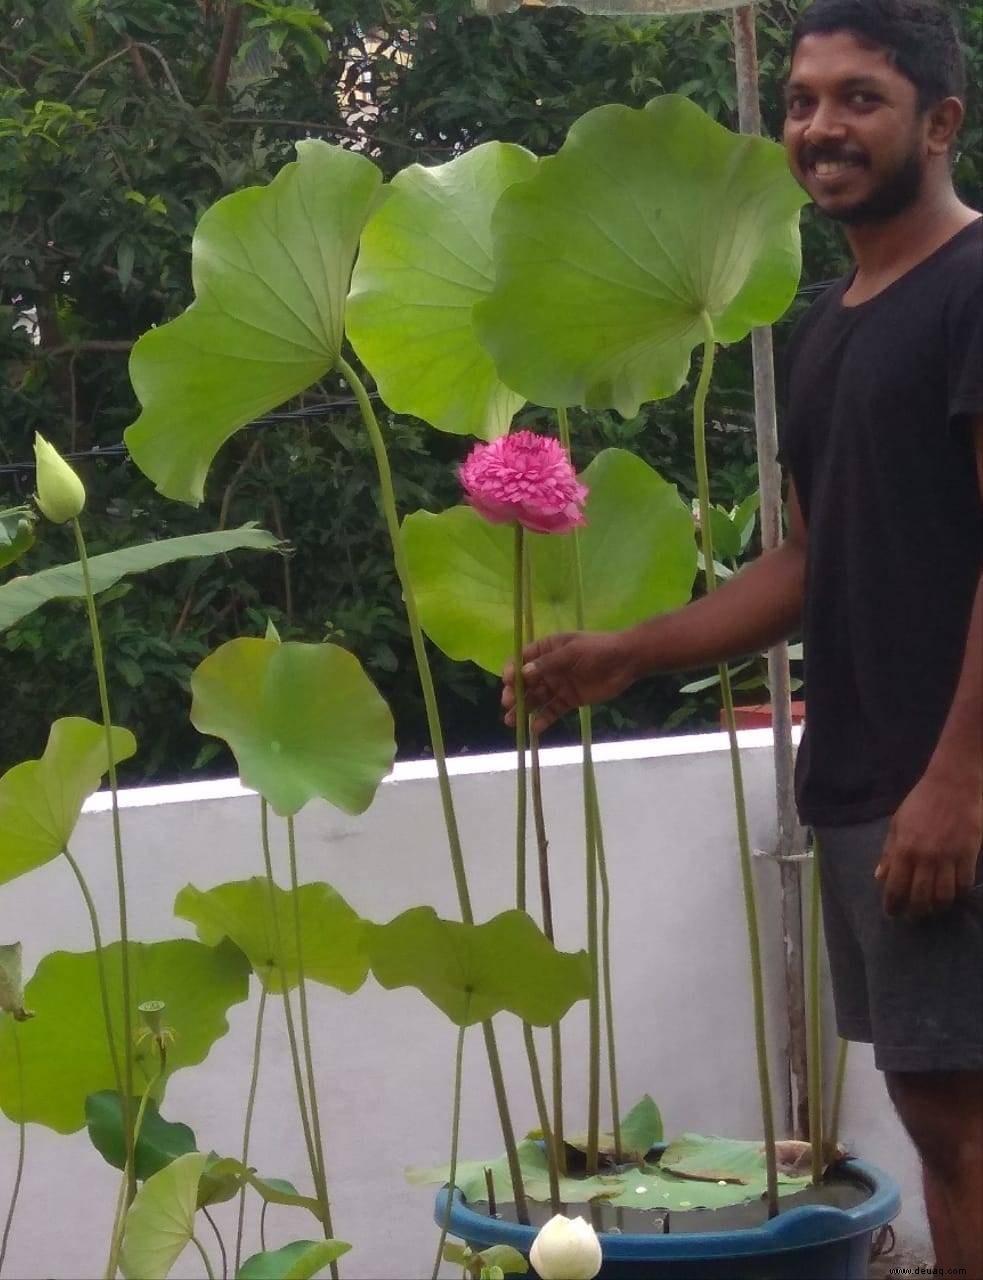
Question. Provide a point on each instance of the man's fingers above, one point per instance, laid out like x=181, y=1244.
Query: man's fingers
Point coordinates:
x=945, y=887
x=897, y=884
x=921, y=894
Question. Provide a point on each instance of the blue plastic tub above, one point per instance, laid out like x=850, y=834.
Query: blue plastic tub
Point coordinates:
x=809, y=1242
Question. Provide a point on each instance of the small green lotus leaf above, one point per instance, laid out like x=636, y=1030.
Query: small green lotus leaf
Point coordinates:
x=224, y=1175
x=161, y=1220
x=64, y=1048
x=16, y=534
x=470, y=1178
x=425, y=259
x=21, y=596
x=160, y=1141
x=270, y=267
x=41, y=800
x=641, y=1129
x=509, y=1261
x=472, y=972
x=300, y=1260
x=11, y=982
x=331, y=932
x=637, y=550
x=607, y=258
x=303, y=720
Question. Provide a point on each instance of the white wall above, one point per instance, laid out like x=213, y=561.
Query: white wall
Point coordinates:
x=385, y=1058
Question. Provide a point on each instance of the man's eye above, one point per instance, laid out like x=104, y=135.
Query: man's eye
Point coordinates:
x=864, y=99
x=797, y=103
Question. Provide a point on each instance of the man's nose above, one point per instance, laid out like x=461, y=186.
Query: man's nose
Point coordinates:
x=825, y=125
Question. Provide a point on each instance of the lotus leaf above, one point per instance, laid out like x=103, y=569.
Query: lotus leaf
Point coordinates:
x=300, y=1260
x=161, y=1220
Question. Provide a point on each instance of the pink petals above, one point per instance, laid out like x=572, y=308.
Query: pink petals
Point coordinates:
x=527, y=478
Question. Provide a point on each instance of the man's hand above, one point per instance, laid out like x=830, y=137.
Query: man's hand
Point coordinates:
x=932, y=846
x=569, y=670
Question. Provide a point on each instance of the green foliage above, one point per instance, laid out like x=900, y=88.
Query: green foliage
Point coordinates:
x=161, y=1220
x=161, y=1141
x=299, y=1260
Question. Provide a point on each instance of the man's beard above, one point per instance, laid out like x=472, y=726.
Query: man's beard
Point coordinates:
x=896, y=193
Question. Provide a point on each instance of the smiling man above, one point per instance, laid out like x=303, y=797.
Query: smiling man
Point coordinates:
x=883, y=439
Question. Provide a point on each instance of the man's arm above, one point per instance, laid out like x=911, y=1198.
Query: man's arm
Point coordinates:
x=756, y=608
x=936, y=835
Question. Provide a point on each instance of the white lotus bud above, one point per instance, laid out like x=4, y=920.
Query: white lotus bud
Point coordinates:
x=566, y=1249
x=61, y=494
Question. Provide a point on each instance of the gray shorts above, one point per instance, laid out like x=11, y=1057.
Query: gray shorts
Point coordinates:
x=913, y=989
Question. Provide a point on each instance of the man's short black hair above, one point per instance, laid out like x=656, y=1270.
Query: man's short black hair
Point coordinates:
x=919, y=36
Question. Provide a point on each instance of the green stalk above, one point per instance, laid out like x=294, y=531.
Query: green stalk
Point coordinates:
x=204, y=1257
x=287, y=1009
x=221, y=1243
x=815, y=1029
x=546, y=898
x=521, y=731
x=305, y=1031
x=21, y=1147
x=119, y=1221
x=834, y=1120
x=744, y=842
x=100, y=667
x=593, y=855
x=388, y=496
x=247, y=1128
x=455, y=1139
x=607, y=986
x=100, y=969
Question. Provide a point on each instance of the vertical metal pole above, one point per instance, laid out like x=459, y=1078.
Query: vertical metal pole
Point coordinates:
x=790, y=835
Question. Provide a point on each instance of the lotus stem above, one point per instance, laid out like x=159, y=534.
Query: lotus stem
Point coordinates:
x=388, y=496
x=305, y=1121
x=740, y=805
x=305, y=1031
x=247, y=1127
x=107, y=723
x=204, y=1257
x=221, y=1243
x=119, y=1221
x=100, y=969
x=592, y=853
x=607, y=989
x=455, y=1137
x=815, y=1028
x=21, y=1149
x=834, y=1119
x=521, y=726
x=546, y=896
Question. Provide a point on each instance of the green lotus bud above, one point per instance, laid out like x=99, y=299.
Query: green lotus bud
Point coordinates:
x=61, y=494
x=566, y=1249
x=11, y=986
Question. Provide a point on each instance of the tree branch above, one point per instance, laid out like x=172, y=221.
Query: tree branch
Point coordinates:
x=139, y=66
x=98, y=67
x=149, y=48
x=226, y=51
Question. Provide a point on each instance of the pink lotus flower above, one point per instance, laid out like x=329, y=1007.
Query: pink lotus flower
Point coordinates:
x=524, y=477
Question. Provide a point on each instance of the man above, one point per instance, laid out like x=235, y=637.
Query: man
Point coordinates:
x=883, y=437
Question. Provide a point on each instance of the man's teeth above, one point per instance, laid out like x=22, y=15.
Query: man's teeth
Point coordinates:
x=826, y=168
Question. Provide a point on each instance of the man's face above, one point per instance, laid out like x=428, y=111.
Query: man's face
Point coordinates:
x=853, y=133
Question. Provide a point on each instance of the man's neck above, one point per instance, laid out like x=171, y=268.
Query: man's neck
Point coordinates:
x=883, y=251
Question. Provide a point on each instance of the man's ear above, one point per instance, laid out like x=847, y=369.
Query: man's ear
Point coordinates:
x=944, y=122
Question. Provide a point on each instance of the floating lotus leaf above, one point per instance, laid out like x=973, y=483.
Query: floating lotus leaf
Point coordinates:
x=41, y=800
x=606, y=259
x=470, y=1178
x=303, y=720
x=21, y=596
x=64, y=1048
x=270, y=267
x=425, y=259
x=637, y=550
x=331, y=932
x=472, y=972
x=300, y=1260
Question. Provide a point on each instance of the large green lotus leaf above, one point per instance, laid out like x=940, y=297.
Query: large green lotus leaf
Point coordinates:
x=637, y=549
x=425, y=259
x=300, y=1260
x=472, y=972
x=64, y=1048
x=21, y=596
x=470, y=1178
x=709, y=1158
x=270, y=267
x=41, y=800
x=160, y=1142
x=607, y=257
x=303, y=720
x=161, y=1220
x=331, y=932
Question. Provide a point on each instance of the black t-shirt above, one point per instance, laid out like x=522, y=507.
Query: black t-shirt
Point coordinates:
x=877, y=437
